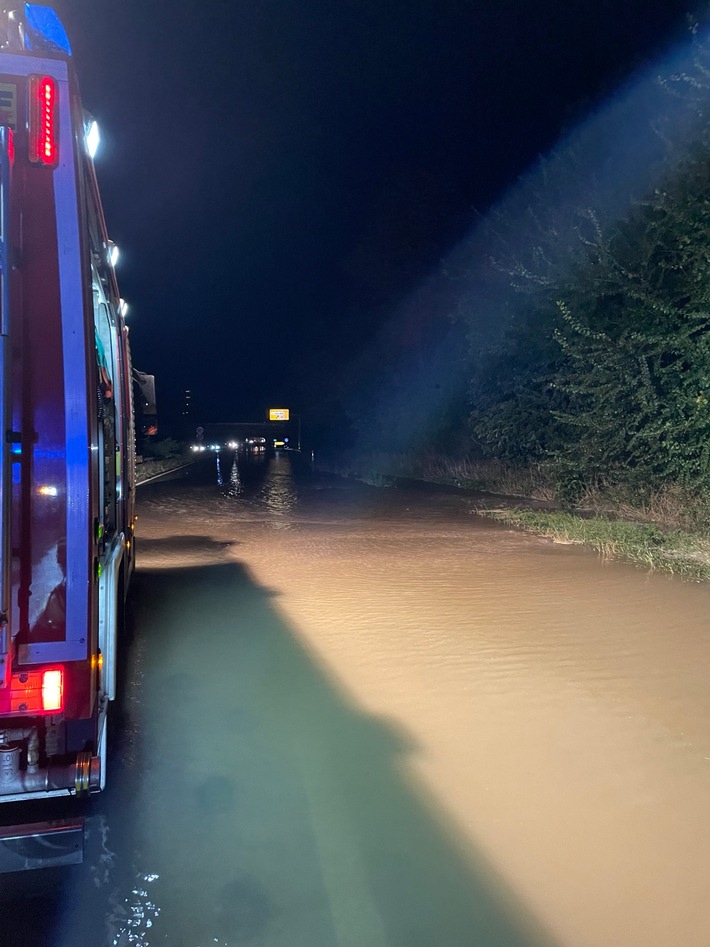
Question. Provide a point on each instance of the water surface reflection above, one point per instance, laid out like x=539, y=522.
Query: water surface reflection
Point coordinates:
x=270, y=810
x=370, y=717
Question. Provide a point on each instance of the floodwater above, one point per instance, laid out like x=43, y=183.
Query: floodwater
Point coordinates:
x=360, y=717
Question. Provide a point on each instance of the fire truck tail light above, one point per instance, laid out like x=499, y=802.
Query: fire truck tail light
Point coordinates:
x=43, y=138
x=53, y=689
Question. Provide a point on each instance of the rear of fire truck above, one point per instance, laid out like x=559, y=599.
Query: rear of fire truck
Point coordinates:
x=67, y=473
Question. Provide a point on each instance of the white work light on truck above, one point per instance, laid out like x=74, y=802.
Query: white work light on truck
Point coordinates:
x=92, y=138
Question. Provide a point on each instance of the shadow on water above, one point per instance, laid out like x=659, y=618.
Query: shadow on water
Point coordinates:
x=185, y=548
x=251, y=803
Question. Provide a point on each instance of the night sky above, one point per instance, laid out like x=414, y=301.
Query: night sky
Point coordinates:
x=280, y=174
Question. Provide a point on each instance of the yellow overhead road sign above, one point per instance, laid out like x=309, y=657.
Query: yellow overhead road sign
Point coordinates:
x=278, y=414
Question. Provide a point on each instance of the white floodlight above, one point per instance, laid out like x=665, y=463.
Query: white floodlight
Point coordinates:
x=92, y=137
x=123, y=307
x=113, y=253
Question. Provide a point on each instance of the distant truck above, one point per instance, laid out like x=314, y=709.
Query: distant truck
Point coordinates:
x=67, y=471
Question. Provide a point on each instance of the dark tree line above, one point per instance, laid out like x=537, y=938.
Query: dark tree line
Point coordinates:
x=604, y=371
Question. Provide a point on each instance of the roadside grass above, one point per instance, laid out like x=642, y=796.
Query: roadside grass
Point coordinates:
x=153, y=467
x=670, y=506
x=668, y=549
x=666, y=529
x=382, y=469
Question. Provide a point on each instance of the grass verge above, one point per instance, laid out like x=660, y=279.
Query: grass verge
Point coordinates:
x=153, y=467
x=666, y=529
x=665, y=548
x=383, y=469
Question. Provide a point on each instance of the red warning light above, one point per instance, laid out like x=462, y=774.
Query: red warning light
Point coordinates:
x=43, y=145
x=53, y=690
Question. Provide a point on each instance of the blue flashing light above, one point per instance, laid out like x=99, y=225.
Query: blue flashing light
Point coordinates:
x=44, y=30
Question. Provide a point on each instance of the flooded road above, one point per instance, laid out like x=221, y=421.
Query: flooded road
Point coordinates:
x=372, y=718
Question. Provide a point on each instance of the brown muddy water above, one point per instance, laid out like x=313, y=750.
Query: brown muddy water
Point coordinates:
x=366, y=718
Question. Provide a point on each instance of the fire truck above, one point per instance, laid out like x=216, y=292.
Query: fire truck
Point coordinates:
x=67, y=479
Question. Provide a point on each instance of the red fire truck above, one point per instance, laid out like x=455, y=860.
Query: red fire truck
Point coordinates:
x=67, y=483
